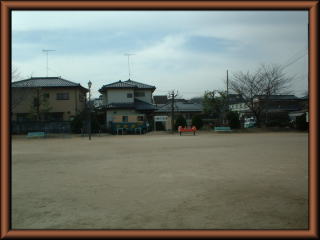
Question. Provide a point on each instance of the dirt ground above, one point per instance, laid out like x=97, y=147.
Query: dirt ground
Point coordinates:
x=160, y=181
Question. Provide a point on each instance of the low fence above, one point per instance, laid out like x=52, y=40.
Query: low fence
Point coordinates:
x=35, y=126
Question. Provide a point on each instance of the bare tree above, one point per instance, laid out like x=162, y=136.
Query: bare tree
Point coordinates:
x=266, y=81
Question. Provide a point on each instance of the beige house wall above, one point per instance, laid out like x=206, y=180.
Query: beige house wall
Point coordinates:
x=22, y=101
x=116, y=115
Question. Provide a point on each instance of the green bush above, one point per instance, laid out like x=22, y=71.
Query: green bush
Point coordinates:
x=180, y=121
x=233, y=118
x=197, y=121
x=80, y=121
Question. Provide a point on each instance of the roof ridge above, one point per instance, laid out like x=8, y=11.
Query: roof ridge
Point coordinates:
x=138, y=83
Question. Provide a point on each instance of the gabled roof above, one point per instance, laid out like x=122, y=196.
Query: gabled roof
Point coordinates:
x=118, y=84
x=36, y=82
x=126, y=84
x=139, y=85
x=137, y=104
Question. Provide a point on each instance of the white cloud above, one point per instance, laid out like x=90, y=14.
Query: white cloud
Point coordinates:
x=255, y=37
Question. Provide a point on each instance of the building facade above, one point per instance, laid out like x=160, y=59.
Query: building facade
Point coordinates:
x=46, y=99
x=183, y=107
x=127, y=102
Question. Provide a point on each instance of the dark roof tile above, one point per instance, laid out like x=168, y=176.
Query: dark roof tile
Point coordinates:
x=127, y=84
x=44, y=82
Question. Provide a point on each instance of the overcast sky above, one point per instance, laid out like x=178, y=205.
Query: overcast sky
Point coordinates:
x=188, y=51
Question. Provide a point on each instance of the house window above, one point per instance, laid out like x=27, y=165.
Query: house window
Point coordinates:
x=139, y=94
x=129, y=95
x=62, y=96
x=124, y=118
x=140, y=118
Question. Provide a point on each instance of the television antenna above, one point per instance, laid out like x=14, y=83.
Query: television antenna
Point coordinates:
x=47, y=51
x=128, y=55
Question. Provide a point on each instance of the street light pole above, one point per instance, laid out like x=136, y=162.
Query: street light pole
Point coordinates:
x=89, y=85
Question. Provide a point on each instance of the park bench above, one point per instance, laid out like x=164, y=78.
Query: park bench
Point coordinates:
x=36, y=134
x=182, y=129
x=222, y=129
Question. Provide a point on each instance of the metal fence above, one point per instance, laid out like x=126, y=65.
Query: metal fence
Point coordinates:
x=44, y=126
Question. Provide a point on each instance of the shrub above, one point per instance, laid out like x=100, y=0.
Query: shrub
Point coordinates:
x=80, y=121
x=180, y=121
x=233, y=118
x=197, y=121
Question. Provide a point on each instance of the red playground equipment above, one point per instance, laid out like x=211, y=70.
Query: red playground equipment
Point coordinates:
x=185, y=129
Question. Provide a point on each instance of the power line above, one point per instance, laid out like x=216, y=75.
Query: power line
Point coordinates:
x=295, y=60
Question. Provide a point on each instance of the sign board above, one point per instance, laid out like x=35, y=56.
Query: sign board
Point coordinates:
x=160, y=118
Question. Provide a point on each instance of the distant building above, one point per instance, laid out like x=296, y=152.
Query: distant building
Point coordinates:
x=46, y=99
x=181, y=107
x=98, y=102
x=127, y=102
x=160, y=99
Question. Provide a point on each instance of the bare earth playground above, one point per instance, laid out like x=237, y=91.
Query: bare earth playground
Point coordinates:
x=160, y=181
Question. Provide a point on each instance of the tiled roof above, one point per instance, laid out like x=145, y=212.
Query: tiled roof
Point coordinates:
x=181, y=107
x=139, y=85
x=118, y=84
x=44, y=82
x=127, y=84
x=137, y=104
x=277, y=97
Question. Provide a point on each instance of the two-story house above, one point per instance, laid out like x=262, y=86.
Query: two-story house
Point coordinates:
x=127, y=101
x=46, y=99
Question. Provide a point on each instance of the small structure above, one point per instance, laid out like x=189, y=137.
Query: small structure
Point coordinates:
x=222, y=129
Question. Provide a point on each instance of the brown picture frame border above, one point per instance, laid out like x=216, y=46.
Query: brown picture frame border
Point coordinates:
x=8, y=6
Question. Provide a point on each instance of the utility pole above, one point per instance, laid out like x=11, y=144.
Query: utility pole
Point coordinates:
x=89, y=124
x=227, y=109
x=38, y=104
x=129, y=54
x=227, y=91
x=173, y=95
x=47, y=51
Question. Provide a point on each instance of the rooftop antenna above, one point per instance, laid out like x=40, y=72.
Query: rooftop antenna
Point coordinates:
x=47, y=51
x=129, y=54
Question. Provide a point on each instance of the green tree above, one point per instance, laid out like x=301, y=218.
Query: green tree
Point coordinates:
x=197, y=121
x=215, y=103
x=40, y=105
x=233, y=118
x=180, y=121
x=80, y=121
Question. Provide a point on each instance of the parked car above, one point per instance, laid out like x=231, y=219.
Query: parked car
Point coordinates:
x=249, y=122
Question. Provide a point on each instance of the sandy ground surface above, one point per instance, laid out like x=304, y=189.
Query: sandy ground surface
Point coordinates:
x=160, y=181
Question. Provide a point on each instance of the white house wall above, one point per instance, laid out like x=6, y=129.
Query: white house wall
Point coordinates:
x=147, y=95
x=119, y=96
